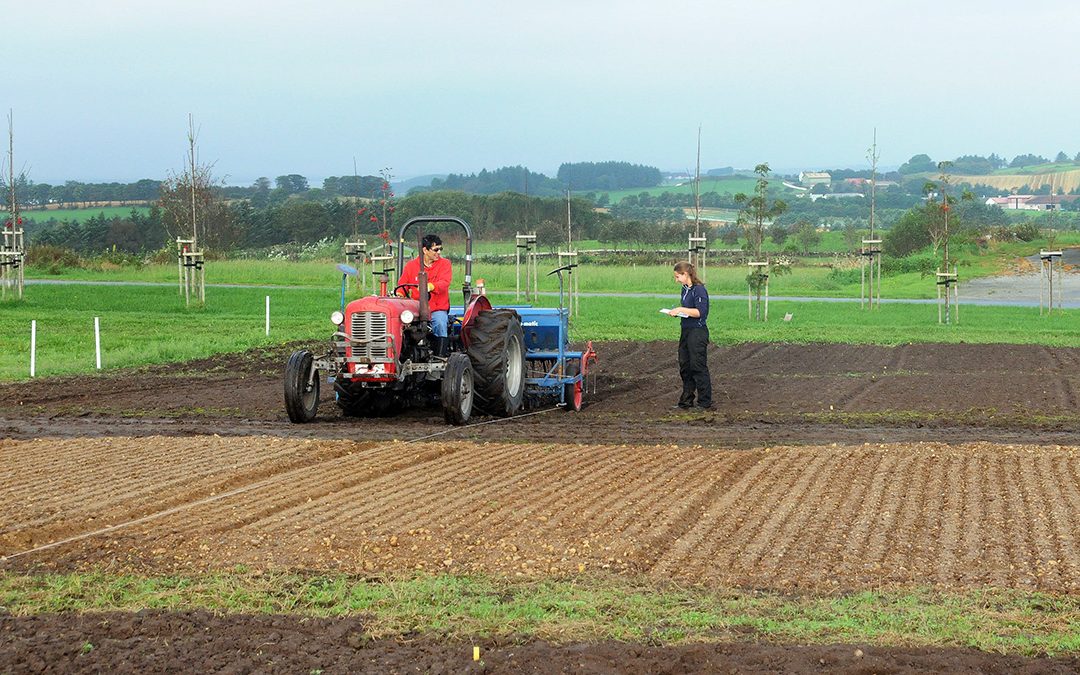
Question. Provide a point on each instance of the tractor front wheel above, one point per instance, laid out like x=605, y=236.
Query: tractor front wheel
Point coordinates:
x=457, y=389
x=301, y=387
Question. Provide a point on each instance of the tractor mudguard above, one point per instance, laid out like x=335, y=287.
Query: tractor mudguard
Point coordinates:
x=479, y=303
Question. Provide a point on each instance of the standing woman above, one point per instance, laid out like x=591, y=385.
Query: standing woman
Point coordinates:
x=694, y=339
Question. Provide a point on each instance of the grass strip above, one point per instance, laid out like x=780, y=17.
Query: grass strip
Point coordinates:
x=146, y=325
x=585, y=609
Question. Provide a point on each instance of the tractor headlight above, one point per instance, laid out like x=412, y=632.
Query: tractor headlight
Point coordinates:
x=337, y=318
x=407, y=316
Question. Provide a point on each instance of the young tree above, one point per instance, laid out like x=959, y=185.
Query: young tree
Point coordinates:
x=186, y=197
x=806, y=235
x=853, y=236
x=778, y=233
x=938, y=211
x=756, y=211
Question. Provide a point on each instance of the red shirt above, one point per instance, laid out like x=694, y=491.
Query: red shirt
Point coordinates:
x=440, y=273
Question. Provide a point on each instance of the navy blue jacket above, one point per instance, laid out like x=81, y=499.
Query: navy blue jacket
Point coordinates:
x=697, y=297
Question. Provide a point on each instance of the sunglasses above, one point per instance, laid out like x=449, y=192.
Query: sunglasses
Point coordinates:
x=436, y=249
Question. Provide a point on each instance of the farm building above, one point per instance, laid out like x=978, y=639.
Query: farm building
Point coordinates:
x=1032, y=202
x=812, y=178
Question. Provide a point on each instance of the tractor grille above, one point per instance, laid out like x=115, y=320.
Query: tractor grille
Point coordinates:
x=368, y=333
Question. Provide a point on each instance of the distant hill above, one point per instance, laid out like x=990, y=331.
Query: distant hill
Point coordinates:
x=1066, y=180
x=403, y=187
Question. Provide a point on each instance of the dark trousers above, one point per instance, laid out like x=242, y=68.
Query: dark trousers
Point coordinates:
x=694, y=368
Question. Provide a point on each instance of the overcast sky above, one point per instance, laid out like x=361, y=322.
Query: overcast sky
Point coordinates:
x=102, y=90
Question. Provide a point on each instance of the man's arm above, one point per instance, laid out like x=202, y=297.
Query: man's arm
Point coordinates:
x=409, y=275
x=441, y=276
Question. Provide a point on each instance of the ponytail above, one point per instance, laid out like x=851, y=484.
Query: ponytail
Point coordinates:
x=687, y=268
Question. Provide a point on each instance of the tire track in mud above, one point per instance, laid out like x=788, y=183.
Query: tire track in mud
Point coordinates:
x=1062, y=371
x=873, y=376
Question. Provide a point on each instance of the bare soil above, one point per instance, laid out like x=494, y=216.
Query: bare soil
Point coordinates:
x=821, y=469
x=765, y=393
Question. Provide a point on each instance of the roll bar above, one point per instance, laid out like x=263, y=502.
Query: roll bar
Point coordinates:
x=466, y=288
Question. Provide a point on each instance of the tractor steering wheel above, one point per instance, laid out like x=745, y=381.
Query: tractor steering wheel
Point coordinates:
x=404, y=286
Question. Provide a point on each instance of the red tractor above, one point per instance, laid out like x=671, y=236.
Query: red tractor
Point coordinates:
x=384, y=358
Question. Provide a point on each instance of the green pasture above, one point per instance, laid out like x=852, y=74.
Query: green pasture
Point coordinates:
x=150, y=325
x=82, y=215
x=718, y=184
x=809, y=277
x=585, y=609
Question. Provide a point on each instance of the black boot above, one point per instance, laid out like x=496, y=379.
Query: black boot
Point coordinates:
x=442, y=347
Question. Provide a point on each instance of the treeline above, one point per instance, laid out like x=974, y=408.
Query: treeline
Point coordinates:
x=977, y=165
x=242, y=225
x=608, y=175
x=135, y=233
x=33, y=195
x=262, y=192
x=505, y=179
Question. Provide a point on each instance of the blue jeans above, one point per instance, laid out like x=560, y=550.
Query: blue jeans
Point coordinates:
x=439, y=321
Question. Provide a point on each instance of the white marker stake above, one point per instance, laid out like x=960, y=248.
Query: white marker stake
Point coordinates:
x=33, y=347
x=97, y=341
x=268, y=315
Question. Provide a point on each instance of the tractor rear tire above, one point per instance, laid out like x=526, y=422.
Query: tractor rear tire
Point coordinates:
x=497, y=352
x=301, y=399
x=457, y=389
x=354, y=401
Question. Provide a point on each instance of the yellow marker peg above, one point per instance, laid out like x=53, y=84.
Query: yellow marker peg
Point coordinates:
x=475, y=653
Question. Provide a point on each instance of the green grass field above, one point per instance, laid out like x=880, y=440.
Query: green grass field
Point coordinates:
x=145, y=325
x=718, y=184
x=82, y=215
x=809, y=278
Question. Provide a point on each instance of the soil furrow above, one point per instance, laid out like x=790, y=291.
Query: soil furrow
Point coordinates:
x=726, y=514
x=278, y=496
x=793, y=504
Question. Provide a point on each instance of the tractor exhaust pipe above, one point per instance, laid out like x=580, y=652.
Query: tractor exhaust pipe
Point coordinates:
x=421, y=279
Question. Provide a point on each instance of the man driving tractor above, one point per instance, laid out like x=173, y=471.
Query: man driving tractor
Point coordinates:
x=440, y=275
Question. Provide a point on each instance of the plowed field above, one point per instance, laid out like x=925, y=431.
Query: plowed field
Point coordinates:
x=823, y=469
